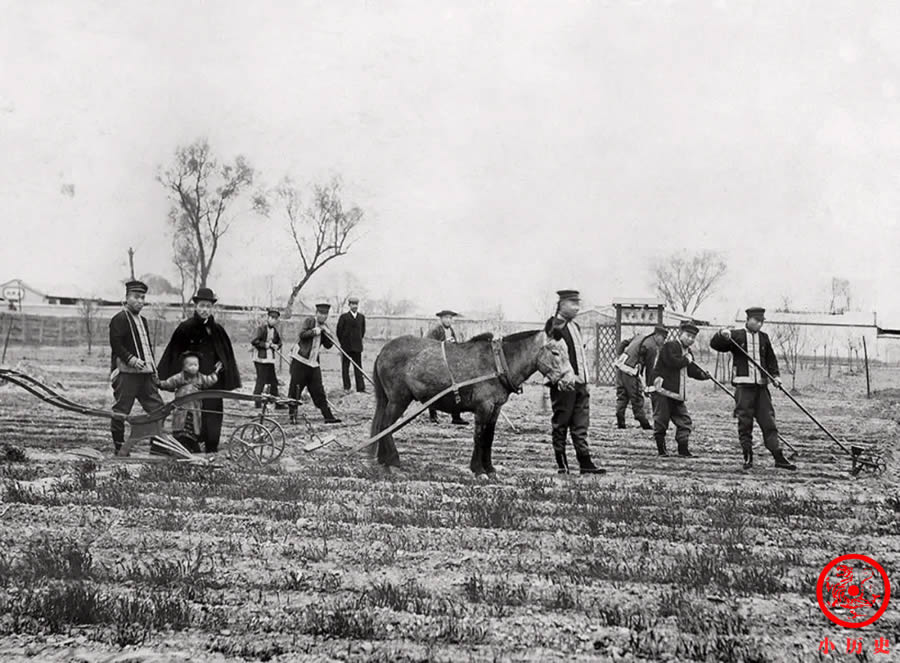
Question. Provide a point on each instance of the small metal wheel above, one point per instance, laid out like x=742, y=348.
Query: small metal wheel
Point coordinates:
x=279, y=439
x=251, y=445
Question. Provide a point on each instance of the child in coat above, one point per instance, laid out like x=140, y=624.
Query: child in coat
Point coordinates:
x=186, y=418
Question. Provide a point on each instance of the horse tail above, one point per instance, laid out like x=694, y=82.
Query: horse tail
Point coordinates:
x=381, y=401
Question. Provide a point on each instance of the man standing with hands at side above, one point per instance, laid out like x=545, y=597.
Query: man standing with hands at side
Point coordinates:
x=351, y=330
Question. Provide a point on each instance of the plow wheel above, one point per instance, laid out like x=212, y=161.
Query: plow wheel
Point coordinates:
x=254, y=444
x=869, y=462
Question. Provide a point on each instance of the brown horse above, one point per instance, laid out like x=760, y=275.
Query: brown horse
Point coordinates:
x=411, y=368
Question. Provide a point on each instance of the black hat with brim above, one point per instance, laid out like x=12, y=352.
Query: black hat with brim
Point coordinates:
x=205, y=295
x=569, y=294
x=323, y=308
x=660, y=329
x=441, y=314
x=136, y=286
x=690, y=327
x=756, y=312
x=273, y=312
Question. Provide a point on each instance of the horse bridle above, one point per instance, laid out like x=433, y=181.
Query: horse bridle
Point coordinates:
x=500, y=364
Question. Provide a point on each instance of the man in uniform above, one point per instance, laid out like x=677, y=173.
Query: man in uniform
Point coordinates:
x=267, y=342
x=571, y=409
x=752, y=397
x=631, y=359
x=672, y=367
x=351, y=330
x=305, y=369
x=650, y=351
x=132, y=366
x=445, y=332
x=204, y=336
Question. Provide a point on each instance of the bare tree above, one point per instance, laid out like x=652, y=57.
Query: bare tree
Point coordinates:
x=322, y=231
x=686, y=280
x=343, y=287
x=185, y=257
x=840, y=296
x=202, y=190
x=389, y=306
x=87, y=310
x=791, y=340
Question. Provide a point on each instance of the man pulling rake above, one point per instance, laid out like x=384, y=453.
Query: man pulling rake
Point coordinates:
x=755, y=366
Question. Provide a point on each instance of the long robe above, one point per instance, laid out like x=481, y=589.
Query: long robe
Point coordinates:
x=211, y=341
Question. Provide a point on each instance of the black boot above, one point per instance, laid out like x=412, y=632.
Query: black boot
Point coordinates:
x=748, y=457
x=646, y=425
x=782, y=462
x=661, y=446
x=620, y=422
x=683, y=450
x=562, y=465
x=329, y=417
x=587, y=465
x=292, y=416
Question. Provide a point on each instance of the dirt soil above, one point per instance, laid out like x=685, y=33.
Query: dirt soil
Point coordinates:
x=326, y=557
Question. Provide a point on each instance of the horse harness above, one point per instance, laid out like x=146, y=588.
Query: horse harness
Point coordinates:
x=500, y=364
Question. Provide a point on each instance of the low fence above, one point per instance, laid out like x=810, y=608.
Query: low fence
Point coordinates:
x=27, y=329
x=811, y=371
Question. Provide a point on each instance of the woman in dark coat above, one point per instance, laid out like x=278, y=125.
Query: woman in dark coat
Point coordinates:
x=202, y=334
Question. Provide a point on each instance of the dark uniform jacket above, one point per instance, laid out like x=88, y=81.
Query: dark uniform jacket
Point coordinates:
x=742, y=371
x=307, y=339
x=650, y=347
x=122, y=336
x=210, y=340
x=632, y=354
x=259, y=341
x=556, y=326
x=351, y=331
x=439, y=333
x=672, y=368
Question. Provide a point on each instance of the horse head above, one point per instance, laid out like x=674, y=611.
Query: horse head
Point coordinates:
x=553, y=363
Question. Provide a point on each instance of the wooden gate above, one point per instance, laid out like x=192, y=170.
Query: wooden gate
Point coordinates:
x=604, y=354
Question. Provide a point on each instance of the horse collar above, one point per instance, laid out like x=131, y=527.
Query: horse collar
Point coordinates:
x=503, y=367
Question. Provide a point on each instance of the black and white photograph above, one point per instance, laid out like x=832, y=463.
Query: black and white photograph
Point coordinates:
x=404, y=331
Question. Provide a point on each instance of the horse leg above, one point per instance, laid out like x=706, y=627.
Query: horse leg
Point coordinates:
x=487, y=441
x=387, y=450
x=477, y=462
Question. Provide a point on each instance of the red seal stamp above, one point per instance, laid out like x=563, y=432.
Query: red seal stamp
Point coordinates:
x=853, y=591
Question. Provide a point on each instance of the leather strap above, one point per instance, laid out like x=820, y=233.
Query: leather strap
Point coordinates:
x=452, y=379
x=502, y=366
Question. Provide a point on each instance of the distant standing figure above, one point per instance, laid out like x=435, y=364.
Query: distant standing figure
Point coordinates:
x=202, y=334
x=267, y=342
x=306, y=373
x=351, y=330
x=444, y=332
x=132, y=367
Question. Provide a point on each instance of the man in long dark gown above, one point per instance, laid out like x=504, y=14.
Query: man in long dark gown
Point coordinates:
x=202, y=334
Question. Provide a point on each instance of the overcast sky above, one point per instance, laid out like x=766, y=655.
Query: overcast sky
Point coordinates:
x=500, y=150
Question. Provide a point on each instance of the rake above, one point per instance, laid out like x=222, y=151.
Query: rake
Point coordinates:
x=794, y=453
x=874, y=462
